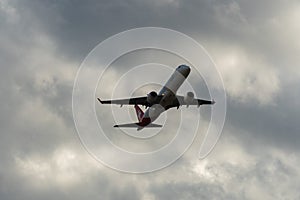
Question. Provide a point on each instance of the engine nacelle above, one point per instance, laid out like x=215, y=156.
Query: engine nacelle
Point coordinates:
x=151, y=97
x=188, y=99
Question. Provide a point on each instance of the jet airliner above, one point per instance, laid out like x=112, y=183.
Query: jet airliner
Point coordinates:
x=158, y=103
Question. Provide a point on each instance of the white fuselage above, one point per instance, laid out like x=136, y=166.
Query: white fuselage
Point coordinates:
x=169, y=94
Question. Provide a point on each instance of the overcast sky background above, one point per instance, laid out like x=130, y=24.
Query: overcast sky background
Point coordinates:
x=256, y=47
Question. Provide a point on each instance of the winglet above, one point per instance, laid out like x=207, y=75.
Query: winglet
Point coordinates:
x=213, y=101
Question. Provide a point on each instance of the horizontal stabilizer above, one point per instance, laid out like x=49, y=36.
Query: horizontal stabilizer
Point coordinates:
x=136, y=125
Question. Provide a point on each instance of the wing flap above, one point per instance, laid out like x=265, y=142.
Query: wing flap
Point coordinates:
x=197, y=102
x=131, y=101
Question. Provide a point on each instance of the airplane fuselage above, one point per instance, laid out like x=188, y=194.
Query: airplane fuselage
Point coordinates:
x=168, y=93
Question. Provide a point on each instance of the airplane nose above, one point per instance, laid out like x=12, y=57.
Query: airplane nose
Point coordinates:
x=184, y=70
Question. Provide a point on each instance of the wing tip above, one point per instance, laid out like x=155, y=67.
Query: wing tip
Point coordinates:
x=100, y=100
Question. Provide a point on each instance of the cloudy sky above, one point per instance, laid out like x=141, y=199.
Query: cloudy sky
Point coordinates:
x=256, y=47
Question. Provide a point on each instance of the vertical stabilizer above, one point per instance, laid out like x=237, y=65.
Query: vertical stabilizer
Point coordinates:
x=139, y=113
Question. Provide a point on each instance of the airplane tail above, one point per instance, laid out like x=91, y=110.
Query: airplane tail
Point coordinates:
x=139, y=113
x=138, y=125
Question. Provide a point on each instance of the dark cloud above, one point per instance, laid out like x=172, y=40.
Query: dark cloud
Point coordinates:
x=41, y=46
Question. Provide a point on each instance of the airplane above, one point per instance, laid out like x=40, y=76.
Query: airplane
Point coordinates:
x=158, y=103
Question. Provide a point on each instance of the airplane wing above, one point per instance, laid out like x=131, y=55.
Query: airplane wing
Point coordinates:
x=197, y=102
x=179, y=101
x=130, y=101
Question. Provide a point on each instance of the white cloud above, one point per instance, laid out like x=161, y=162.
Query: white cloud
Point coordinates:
x=65, y=167
x=239, y=172
x=247, y=77
x=10, y=11
x=282, y=32
x=229, y=14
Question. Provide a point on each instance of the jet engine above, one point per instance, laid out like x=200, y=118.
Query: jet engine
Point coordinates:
x=151, y=97
x=188, y=99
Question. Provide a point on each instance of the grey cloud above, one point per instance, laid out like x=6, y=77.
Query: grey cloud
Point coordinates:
x=75, y=27
x=224, y=176
x=183, y=190
x=77, y=32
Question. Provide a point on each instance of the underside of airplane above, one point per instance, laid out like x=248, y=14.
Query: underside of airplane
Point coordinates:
x=158, y=103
